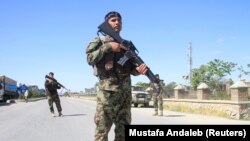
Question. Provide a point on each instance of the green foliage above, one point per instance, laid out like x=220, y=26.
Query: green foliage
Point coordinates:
x=198, y=76
x=169, y=88
x=212, y=73
x=145, y=85
x=35, y=93
x=243, y=71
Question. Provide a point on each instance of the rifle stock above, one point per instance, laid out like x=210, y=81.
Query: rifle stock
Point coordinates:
x=105, y=28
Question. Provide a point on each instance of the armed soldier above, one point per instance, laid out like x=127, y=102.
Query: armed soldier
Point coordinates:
x=157, y=98
x=114, y=95
x=51, y=87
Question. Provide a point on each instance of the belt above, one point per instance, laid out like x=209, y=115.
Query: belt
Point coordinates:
x=118, y=76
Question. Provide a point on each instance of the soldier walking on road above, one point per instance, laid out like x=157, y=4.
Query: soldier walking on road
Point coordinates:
x=26, y=94
x=52, y=95
x=114, y=95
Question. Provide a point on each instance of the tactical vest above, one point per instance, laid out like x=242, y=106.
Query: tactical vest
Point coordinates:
x=108, y=66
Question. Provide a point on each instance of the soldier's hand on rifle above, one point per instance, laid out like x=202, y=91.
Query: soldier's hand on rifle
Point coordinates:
x=142, y=69
x=117, y=47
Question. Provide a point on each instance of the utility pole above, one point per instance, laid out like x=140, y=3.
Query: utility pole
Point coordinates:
x=190, y=62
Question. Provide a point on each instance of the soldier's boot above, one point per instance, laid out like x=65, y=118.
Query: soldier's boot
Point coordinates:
x=52, y=114
x=60, y=114
x=161, y=113
x=156, y=113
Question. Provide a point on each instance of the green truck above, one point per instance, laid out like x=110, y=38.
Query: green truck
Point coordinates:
x=8, y=88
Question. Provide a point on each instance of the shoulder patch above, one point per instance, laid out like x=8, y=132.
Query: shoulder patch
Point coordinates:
x=93, y=45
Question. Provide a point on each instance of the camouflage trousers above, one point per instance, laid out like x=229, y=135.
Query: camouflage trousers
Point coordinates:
x=112, y=108
x=158, y=102
x=54, y=98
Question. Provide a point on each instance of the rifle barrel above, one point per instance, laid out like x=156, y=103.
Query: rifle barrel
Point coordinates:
x=107, y=29
x=53, y=79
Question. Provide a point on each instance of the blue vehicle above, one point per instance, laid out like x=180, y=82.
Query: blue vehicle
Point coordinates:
x=8, y=88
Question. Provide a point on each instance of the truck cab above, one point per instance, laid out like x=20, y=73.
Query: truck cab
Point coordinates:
x=140, y=96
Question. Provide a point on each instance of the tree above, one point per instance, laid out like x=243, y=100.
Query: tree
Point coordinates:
x=143, y=84
x=169, y=88
x=243, y=71
x=212, y=73
x=198, y=76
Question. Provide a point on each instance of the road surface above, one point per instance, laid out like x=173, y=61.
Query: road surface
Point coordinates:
x=32, y=121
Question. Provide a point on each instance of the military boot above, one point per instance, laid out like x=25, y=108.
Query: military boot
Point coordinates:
x=161, y=113
x=156, y=113
x=52, y=114
x=60, y=114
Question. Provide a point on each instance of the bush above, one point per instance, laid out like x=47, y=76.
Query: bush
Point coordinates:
x=35, y=93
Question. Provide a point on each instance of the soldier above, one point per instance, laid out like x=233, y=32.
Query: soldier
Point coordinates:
x=26, y=93
x=114, y=95
x=157, y=99
x=52, y=95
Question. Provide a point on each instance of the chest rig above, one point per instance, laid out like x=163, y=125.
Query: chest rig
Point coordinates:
x=108, y=66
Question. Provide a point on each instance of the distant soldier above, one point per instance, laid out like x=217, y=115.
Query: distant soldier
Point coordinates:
x=52, y=95
x=157, y=99
x=26, y=93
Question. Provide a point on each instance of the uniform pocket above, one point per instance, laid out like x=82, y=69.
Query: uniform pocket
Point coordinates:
x=109, y=84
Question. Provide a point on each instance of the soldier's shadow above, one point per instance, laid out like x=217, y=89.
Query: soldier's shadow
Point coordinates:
x=174, y=115
x=72, y=115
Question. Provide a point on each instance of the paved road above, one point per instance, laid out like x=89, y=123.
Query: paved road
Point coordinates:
x=32, y=121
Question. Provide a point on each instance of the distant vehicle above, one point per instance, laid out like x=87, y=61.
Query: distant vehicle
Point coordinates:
x=140, y=96
x=8, y=88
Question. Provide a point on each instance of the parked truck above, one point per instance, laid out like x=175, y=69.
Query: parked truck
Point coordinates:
x=140, y=96
x=8, y=88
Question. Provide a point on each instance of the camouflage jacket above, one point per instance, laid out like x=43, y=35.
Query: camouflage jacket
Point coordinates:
x=51, y=88
x=112, y=76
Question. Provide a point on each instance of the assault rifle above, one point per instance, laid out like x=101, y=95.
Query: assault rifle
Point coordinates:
x=53, y=79
x=130, y=53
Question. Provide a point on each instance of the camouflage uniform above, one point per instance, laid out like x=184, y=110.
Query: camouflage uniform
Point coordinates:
x=157, y=101
x=52, y=96
x=114, y=96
